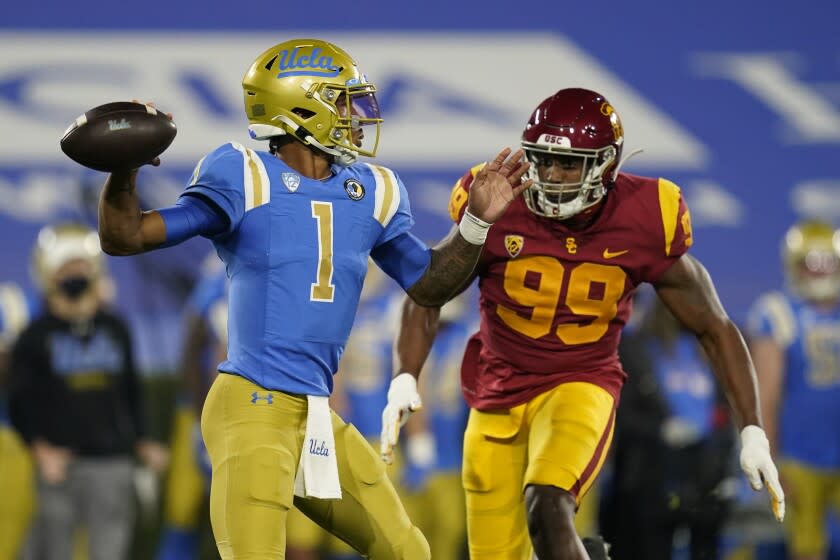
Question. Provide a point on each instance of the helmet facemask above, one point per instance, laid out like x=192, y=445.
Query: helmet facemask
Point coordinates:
x=562, y=200
x=348, y=132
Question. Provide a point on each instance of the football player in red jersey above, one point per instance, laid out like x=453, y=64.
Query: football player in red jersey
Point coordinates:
x=542, y=375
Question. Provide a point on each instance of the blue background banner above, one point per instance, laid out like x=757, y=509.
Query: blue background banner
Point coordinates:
x=737, y=102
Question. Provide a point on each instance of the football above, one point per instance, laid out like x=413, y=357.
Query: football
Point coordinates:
x=118, y=136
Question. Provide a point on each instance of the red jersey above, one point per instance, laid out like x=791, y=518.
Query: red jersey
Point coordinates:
x=554, y=299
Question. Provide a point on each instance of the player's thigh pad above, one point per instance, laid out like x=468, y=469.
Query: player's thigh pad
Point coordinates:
x=495, y=454
x=254, y=446
x=369, y=516
x=570, y=429
x=807, y=493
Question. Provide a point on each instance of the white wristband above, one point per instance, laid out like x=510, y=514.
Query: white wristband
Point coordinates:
x=473, y=229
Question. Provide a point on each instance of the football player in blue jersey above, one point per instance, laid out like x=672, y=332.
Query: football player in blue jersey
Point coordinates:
x=795, y=342
x=295, y=227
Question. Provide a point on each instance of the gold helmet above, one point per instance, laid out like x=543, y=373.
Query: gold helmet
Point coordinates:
x=811, y=258
x=303, y=88
x=60, y=244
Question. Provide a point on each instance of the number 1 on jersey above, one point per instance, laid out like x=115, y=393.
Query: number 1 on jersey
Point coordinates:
x=323, y=289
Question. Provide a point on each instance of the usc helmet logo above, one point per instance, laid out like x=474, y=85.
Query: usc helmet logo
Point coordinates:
x=608, y=111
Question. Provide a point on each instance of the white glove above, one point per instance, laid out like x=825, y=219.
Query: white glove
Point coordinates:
x=759, y=468
x=403, y=399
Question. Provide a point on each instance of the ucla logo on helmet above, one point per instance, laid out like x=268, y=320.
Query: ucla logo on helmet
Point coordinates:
x=291, y=180
x=354, y=189
x=295, y=63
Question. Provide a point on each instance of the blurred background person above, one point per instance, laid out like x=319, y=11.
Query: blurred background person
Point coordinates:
x=74, y=396
x=185, y=511
x=795, y=342
x=673, y=447
x=17, y=478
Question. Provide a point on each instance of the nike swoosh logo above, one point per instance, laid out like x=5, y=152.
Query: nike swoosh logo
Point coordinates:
x=609, y=255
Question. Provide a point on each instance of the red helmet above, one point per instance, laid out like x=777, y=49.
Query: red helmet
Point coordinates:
x=576, y=123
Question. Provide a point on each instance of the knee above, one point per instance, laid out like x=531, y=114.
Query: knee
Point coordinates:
x=549, y=508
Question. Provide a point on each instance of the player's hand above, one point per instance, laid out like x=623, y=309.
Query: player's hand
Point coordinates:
x=153, y=455
x=497, y=185
x=403, y=399
x=52, y=461
x=155, y=162
x=757, y=464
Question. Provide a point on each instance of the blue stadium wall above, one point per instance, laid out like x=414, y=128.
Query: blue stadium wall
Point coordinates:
x=737, y=102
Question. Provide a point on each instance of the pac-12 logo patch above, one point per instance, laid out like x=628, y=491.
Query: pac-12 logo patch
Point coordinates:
x=513, y=244
x=354, y=189
x=291, y=180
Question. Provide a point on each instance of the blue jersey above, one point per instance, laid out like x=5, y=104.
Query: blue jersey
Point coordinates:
x=687, y=383
x=296, y=252
x=447, y=411
x=809, y=413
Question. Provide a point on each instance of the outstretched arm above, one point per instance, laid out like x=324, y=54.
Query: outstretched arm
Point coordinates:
x=769, y=364
x=687, y=290
x=415, y=336
x=455, y=257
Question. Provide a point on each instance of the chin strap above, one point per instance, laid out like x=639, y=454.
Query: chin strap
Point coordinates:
x=343, y=156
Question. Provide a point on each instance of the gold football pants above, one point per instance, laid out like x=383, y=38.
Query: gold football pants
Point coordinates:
x=255, y=445
x=560, y=438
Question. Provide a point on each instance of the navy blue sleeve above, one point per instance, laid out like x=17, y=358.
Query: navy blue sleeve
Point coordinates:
x=404, y=258
x=192, y=216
